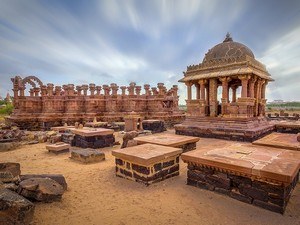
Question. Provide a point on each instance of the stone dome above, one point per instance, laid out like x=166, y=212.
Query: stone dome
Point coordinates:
x=227, y=49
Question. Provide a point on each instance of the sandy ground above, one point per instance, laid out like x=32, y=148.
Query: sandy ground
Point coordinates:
x=96, y=196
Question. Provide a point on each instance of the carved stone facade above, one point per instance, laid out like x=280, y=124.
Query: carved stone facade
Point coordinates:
x=49, y=105
x=230, y=66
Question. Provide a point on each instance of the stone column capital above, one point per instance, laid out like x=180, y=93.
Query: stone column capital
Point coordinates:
x=244, y=77
x=202, y=82
x=225, y=79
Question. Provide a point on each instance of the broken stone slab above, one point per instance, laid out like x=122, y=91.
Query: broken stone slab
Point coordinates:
x=8, y=146
x=57, y=177
x=15, y=209
x=87, y=155
x=41, y=189
x=33, y=142
x=9, y=172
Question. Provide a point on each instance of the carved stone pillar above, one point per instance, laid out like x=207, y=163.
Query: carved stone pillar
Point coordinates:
x=263, y=90
x=213, y=102
x=147, y=89
x=138, y=90
x=106, y=89
x=31, y=92
x=36, y=92
x=114, y=89
x=43, y=90
x=92, y=89
x=197, y=91
x=161, y=88
x=71, y=90
x=202, y=89
x=123, y=88
x=57, y=90
x=225, y=96
x=154, y=91
x=244, y=79
x=50, y=89
x=251, y=87
x=78, y=89
x=233, y=88
x=22, y=91
x=131, y=88
x=98, y=90
x=85, y=88
x=66, y=89
x=189, y=91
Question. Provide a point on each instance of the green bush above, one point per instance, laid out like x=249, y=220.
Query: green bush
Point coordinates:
x=7, y=110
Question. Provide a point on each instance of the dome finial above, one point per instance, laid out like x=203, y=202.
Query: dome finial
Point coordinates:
x=228, y=38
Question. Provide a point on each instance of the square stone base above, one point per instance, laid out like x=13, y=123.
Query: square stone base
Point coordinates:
x=153, y=173
x=58, y=147
x=94, y=141
x=270, y=196
x=87, y=155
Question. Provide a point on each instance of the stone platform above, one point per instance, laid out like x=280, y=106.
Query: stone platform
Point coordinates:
x=58, y=147
x=264, y=177
x=155, y=126
x=147, y=163
x=93, y=137
x=235, y=128
x=187, y=143
x=279, y=140
x=87, y=155
x=96, y=124
x=292, y=127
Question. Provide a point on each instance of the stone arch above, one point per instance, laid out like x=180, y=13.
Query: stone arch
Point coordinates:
x=30, y=80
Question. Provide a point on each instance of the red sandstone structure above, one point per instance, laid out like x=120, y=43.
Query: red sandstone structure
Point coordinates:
x=228, y=66
x=50, y=105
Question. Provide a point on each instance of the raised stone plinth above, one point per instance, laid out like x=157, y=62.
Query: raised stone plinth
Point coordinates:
x=280, y=140
x=87, y=155
x=147, y=163
x=155, y=126
x=187, y=143
x=292, y=127
x=238, y=129
x=93, y=137
x=255, y=175
x=58, y=147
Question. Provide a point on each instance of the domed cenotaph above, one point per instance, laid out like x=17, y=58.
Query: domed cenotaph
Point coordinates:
x=238, y=112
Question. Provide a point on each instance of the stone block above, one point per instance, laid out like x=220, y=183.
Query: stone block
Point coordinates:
x=57, y=177
x=15, y=209
x=58, y=147
x=155, y=126
x=147, y=163
x=41, y=189
x=87, y=155
x=9, y=172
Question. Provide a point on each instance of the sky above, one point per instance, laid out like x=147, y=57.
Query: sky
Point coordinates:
x=123, y=41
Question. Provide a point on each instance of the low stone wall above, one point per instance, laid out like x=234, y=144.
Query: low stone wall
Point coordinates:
x=270, y=196
x=95, y=141
x=159, y=171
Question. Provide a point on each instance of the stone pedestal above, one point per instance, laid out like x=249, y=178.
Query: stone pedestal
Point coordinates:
x=132, y=122
x=251, y=175
x=87, y=155
x=155, y=126
x=58, y=147
x=94, y=138
x=147, y=163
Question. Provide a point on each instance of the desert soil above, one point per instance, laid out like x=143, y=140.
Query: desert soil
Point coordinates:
x=96, y=196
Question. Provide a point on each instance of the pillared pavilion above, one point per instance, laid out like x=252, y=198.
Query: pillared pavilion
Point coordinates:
x=230, y=86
